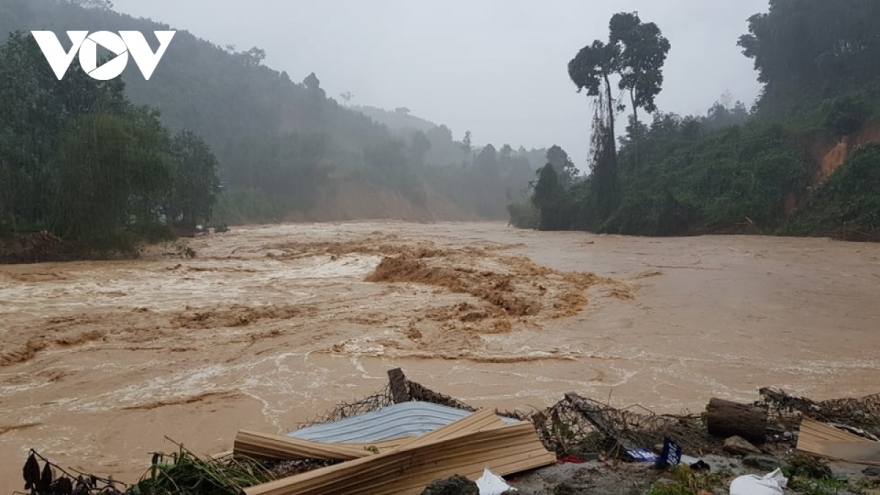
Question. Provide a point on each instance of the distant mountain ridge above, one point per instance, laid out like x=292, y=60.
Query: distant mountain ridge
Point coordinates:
x=399, y=120
x=281, y=144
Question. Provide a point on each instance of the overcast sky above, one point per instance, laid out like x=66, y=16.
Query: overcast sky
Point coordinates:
x=495, y=67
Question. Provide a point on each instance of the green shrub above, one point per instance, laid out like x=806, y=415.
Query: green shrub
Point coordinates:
x=846, y=115
x=523, y=215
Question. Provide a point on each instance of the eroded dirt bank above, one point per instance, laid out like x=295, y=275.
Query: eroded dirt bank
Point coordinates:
x=271, y=325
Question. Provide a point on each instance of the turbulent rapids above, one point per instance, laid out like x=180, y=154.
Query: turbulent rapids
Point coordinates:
x=271, y=325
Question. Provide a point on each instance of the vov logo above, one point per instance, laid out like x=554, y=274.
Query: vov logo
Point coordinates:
x=86, y=45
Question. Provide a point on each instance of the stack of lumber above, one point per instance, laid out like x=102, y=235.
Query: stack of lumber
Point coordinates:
x=402, y=466
x=821, y=440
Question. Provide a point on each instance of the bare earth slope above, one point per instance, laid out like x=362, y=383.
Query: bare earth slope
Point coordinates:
x=271, y=325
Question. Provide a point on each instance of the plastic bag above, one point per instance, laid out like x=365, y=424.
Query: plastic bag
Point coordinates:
x=771, y=484
x=492, y=484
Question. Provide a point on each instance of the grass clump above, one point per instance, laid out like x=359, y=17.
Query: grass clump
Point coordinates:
x=686, y=482
x=184, y=473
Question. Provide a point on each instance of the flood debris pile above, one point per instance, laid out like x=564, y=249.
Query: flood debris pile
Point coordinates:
x=407, y=465
x=860, y=416
x=37, y=247
x=406, y=437
x=577, y=426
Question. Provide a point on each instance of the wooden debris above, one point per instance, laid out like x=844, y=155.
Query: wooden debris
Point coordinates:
x=276, y=447
x=464, y=447
x=593, y=413
x=820, y=440
x=727, y=419
x=482, y=420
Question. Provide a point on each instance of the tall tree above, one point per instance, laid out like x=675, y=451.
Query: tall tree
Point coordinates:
x=195, y=180
x=547, y=197
x=641, y=58
x=591, y=70
x=565, y=169
x=467, y=143
x=487, y=160
x=635, y=52
x=112, y=173
x=505, y=153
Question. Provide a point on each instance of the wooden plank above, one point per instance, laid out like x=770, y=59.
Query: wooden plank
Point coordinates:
x=468, y=424
x=399, y=390
x=820, y=440
x=276, y=447
x=437, y=465
x=505, y=450
x=383, y=445
x=514, y=459
x=478, y=421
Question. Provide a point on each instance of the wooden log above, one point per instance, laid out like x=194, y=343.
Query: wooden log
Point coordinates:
x=726, y=419
x=399, y=390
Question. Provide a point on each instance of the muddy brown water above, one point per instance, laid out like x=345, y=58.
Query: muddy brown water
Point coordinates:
x=270, y=326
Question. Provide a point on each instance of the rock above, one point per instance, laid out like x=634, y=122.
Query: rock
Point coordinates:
x=456, y=485
x=760, y=461
x=871, y=471
x=739, y=446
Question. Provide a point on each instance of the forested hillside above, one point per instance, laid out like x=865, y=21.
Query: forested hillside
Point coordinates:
x=793, y=163
x=80, y=161
x=282, y=145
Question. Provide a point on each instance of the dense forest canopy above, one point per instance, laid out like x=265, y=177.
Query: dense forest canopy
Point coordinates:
x=215, y=136
x=806, y=51
x=734, y=169
x=78, y=159
x=260, y=143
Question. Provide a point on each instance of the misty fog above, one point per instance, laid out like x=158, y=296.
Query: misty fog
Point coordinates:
x=496, y=68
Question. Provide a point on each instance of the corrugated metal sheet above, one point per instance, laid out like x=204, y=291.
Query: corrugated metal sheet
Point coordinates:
x=399, y=420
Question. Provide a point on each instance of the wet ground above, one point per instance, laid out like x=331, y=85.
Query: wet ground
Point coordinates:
x=270, y=326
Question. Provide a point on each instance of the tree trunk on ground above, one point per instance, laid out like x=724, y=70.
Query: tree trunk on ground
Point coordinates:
x=726, y=419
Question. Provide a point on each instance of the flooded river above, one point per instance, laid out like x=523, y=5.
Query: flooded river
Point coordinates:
x=270, y=326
